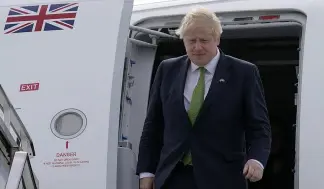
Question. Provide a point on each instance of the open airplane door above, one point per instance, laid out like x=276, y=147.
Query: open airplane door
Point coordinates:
x=62, y=67
x=139, y=62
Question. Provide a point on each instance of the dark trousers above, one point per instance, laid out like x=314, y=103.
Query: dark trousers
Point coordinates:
x=181, y=178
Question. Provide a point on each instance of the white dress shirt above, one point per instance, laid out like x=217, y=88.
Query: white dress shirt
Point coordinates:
x=191, y=82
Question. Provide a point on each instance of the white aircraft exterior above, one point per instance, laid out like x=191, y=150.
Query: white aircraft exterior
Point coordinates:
x=78, y=73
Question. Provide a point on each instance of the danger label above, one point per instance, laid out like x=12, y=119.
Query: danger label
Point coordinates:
x=29, y=87
x=66, y=154
x=66, y=159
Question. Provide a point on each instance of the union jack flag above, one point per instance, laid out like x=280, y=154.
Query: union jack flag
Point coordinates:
x=41, y=18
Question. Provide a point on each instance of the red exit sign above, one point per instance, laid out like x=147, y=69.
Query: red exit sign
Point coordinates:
x=29, y=87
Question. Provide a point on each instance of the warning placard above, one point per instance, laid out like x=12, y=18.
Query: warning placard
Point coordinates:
x=66, y=159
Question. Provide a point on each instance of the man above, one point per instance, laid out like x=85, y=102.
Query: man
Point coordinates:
x=204, y=108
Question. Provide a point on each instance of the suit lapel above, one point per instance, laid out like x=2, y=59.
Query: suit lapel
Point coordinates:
x=179, y=86
x=221, y=76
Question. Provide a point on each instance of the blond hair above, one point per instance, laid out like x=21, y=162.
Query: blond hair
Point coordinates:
x=200, y=14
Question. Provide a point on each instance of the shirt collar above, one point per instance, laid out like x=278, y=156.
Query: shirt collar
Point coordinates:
x=210, y=67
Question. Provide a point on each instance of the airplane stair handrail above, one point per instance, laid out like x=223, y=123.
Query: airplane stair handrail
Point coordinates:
x=12, y=128
x=21, y=174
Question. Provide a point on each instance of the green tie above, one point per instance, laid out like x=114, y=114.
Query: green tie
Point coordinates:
x=195, y=105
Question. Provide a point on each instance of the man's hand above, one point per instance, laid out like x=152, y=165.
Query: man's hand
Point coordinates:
x=253, y=171
x=147, y=183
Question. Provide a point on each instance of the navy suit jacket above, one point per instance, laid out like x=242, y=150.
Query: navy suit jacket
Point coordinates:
x=232, y=126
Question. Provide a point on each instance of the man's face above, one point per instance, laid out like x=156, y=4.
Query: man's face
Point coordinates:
x=200, y=43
